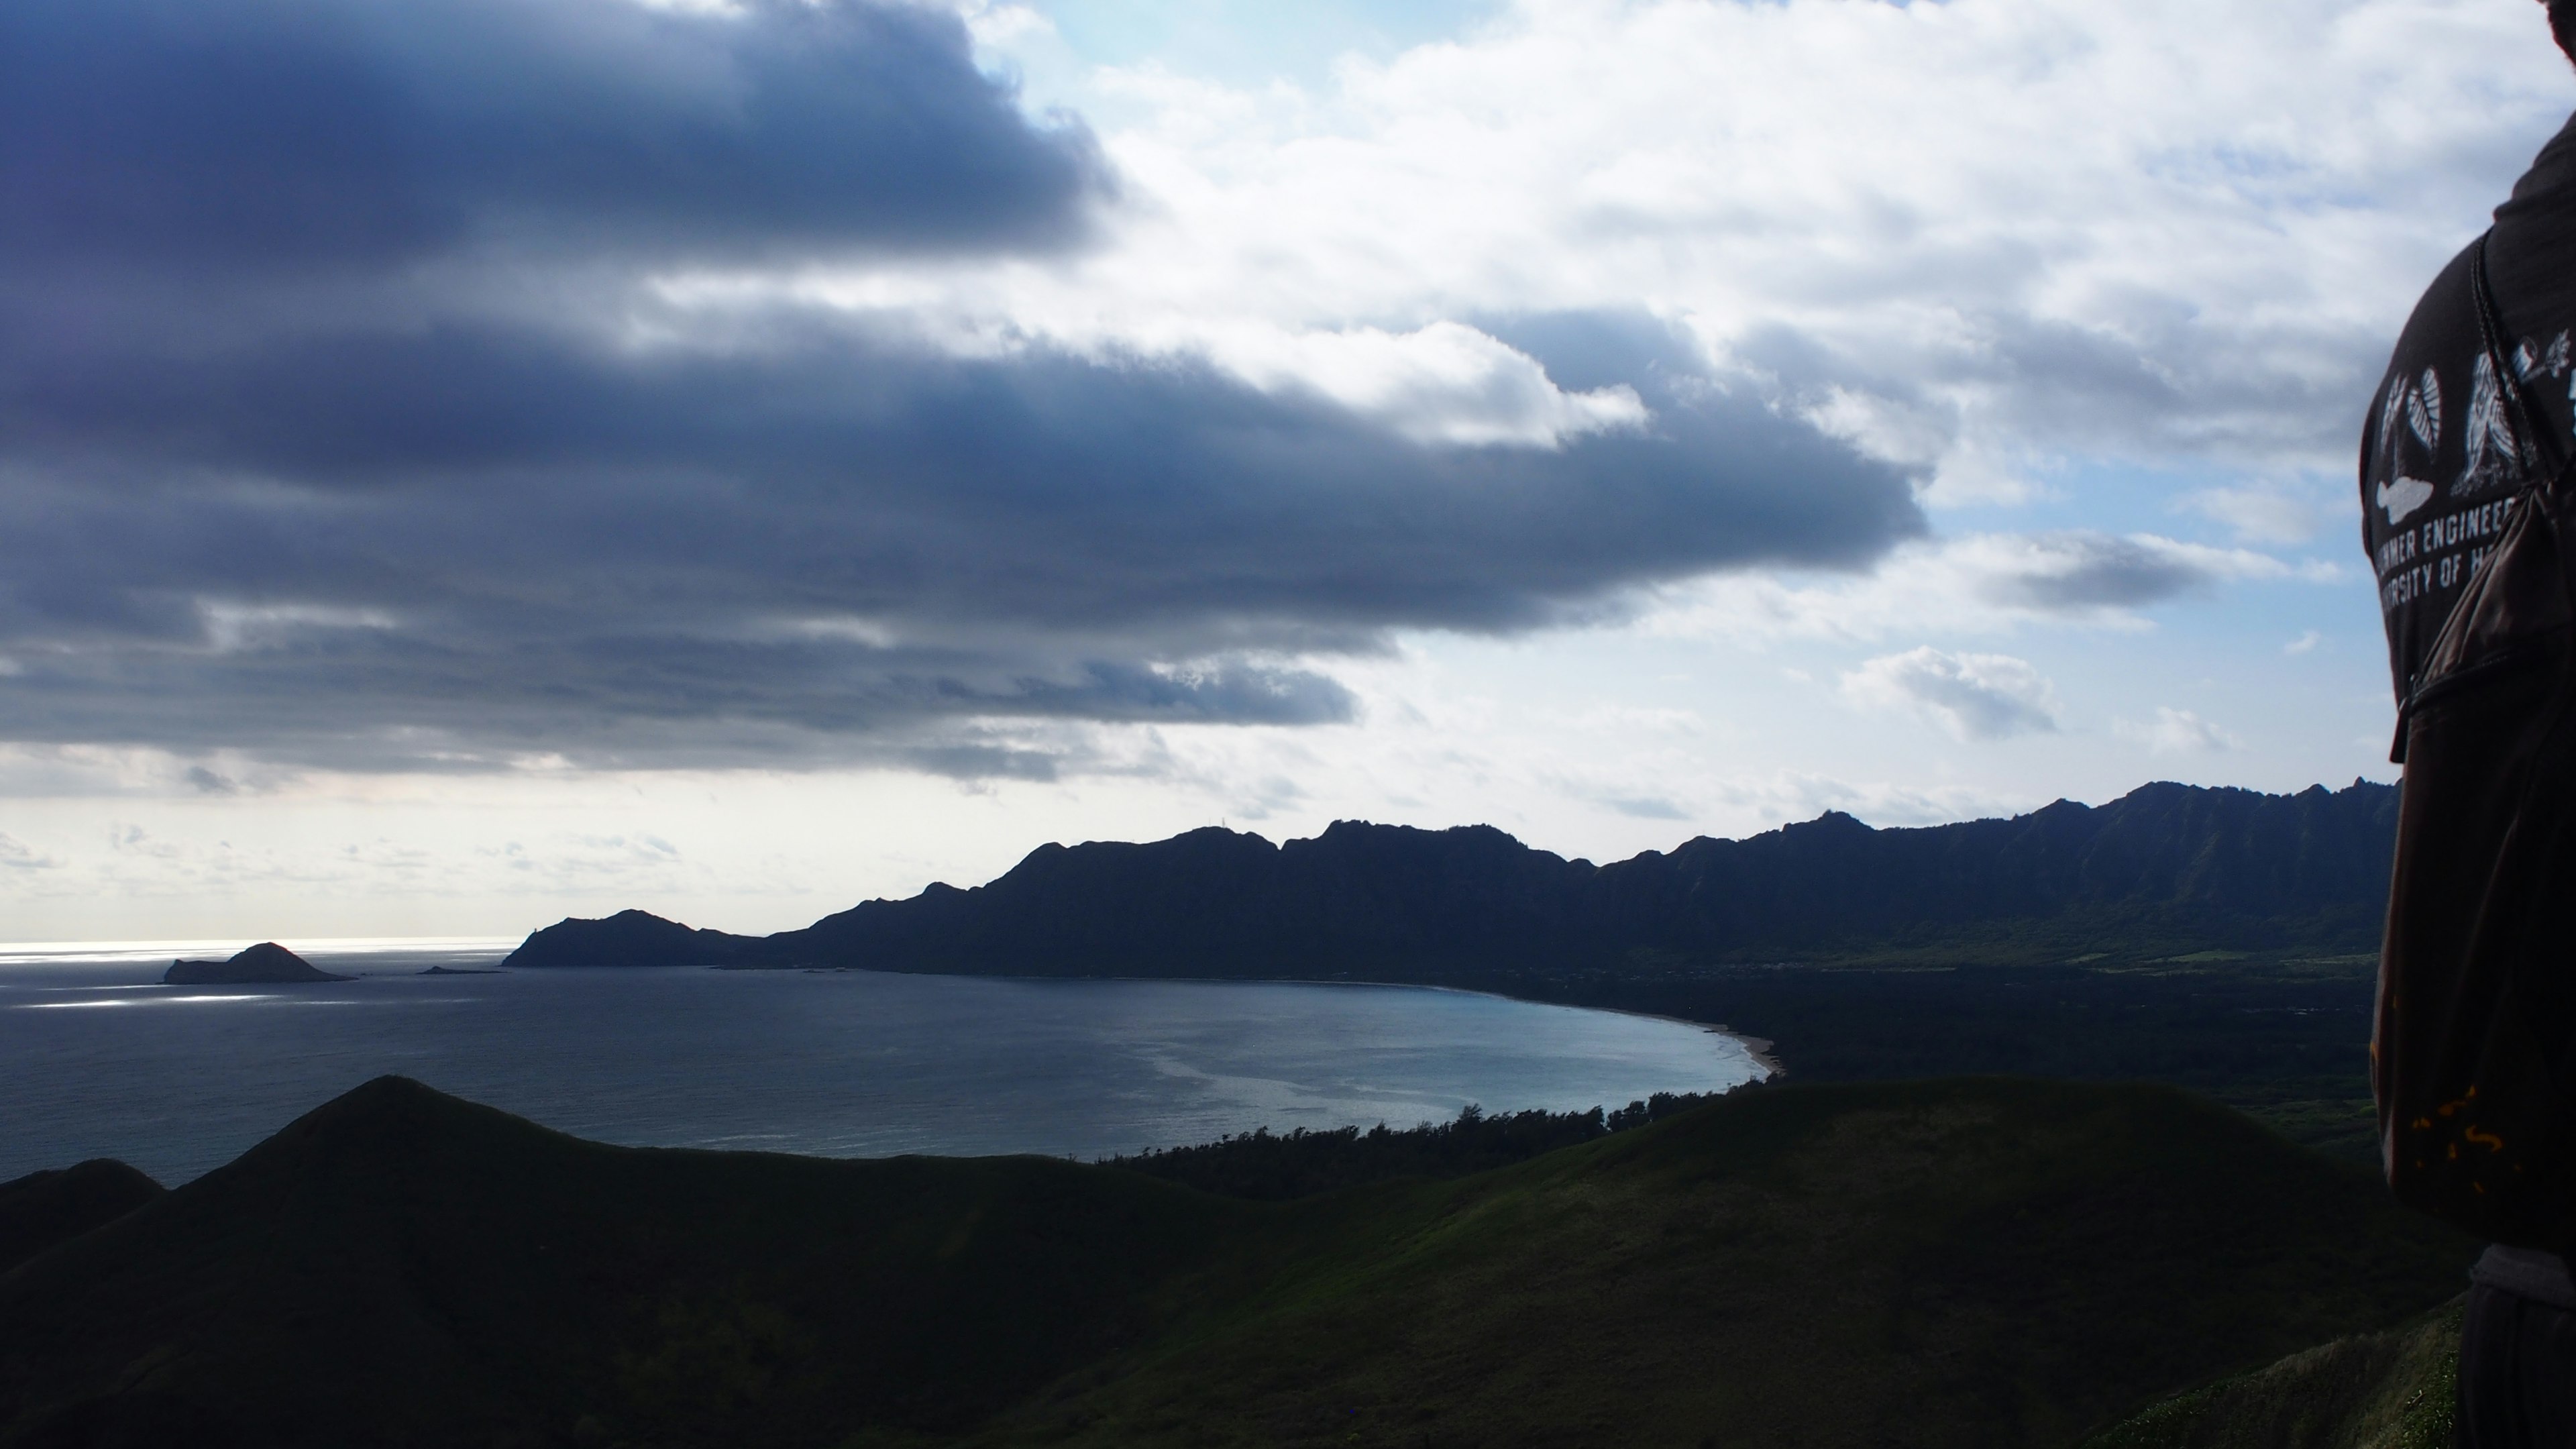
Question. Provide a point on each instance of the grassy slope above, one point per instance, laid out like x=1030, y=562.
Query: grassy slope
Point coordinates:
x=1981, y=1262
x=1978, y=1262
x=2389, y=1390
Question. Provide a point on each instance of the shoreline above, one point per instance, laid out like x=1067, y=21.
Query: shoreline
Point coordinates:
x=1760, y=1049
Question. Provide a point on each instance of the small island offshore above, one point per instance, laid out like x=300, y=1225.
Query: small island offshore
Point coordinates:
x=266, y=964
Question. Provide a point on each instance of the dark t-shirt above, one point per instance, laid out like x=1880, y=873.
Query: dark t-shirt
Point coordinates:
x=2440, y=463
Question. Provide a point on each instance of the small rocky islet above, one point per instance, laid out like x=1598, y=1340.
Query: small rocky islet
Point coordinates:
x=266, y=964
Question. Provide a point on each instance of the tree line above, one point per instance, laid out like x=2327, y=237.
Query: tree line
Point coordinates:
x=1276, y=1166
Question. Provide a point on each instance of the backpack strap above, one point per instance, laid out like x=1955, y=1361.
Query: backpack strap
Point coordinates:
x=2536, y=448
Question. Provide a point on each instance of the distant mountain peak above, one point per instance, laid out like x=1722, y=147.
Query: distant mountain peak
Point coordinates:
x=1831, y=822
x=628, y=938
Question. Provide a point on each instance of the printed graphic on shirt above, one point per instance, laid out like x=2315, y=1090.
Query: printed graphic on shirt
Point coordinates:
x=2428, y=539
x=2493, y=453
x=2554, y=362
x=2419, y=403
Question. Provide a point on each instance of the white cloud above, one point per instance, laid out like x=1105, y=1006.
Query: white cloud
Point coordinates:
x=2305, y=644
x=16, y=854
x=234, y=627
x=1974, y=696
x=2180, y=732
x=1444, y=383
x=993, y=24
x=1971, y=235
x=1790, y=795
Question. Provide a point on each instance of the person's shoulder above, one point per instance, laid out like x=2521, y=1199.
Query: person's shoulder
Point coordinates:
x=2551, y=181
x=2443, y=328
x=2531, y=252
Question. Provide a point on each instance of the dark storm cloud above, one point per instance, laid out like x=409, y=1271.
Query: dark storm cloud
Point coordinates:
x=277, y=137
x=326, y=434
x=505, y=538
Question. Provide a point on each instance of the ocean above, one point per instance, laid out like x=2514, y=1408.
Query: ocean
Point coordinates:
x=99, y=1060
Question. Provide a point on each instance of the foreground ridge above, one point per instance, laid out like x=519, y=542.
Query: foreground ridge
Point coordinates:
x=1968, y=1261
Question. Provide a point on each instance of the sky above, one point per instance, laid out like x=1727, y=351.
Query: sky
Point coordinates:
x=473, y=462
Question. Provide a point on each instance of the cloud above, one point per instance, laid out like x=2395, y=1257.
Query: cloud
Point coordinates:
x=2085, y=572
x=482, y=542
x=475, y=384
x=1974, y=696
x=1973, y=237
x=1973, y=583
x=2306, y=643
x=2180, y=732
x=1443, y=383
x=1781, y=796
x=547, y=383
x=16, y=854
x=1647, y=808
x=265, y=141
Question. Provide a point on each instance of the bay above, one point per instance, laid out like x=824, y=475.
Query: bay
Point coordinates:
x=99, y=1060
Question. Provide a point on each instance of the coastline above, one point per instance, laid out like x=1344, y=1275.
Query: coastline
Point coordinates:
x=1760, y=1049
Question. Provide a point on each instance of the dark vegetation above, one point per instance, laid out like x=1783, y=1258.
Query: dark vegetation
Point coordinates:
x=2284, y=1039
x=1966, y=1262
x=1274, y=1167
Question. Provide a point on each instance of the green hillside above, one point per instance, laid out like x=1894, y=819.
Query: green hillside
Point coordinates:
x=1985, y=1262
x=1972, y=1262
x=2389, y=1390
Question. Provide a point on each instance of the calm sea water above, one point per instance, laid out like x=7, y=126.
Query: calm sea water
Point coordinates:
x=99, y=1060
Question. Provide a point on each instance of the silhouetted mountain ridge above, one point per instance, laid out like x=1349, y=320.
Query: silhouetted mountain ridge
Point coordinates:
x=2166, y=868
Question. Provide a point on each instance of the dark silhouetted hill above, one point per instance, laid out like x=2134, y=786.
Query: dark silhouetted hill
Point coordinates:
x=266, y=964
x=629, y=938
x=45, y=1208
x=1969, y=1262
x=400, y=1267
x=2165, y=870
